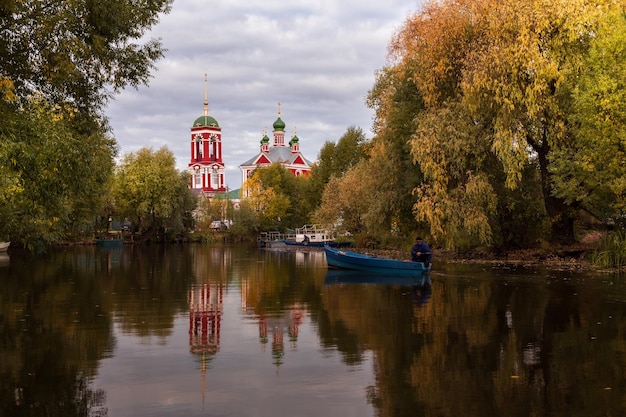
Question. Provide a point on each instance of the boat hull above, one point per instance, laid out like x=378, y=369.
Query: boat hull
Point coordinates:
x=337, y=258
x=4, y=246
x=109, y=243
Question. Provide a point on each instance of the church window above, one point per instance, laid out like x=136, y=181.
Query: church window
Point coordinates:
x=215, y=178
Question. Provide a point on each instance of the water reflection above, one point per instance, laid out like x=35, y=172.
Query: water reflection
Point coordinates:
x=180, y=330
x=5, y=260
x=206, y=304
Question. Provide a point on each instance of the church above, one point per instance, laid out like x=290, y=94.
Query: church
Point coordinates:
x=206, y=166
x=289, y=156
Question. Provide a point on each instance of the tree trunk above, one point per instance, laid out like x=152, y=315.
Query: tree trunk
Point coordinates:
x=560, y=214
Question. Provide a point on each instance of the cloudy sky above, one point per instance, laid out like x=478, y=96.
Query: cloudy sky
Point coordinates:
x=316, y=57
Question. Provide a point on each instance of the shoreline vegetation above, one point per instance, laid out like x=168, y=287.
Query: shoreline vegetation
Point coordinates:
x=573, y=257
x=577, y=256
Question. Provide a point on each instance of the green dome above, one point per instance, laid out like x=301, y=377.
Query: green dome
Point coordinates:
x=205, y=121
x=279, y=125
x=293, y=140
x=265, y=139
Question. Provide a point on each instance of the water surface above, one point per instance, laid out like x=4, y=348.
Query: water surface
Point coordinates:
x=200, y=330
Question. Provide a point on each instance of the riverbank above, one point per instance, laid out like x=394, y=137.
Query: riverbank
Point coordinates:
x=574, y=257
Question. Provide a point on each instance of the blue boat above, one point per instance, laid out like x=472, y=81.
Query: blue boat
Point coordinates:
x=343, y=259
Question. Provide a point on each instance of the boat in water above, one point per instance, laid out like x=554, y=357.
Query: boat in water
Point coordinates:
x=272, y=239
x=311, y=235
x=110, y=243
x=343, y=259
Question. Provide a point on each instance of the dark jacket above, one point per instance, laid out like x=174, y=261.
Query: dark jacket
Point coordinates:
x=421, y=252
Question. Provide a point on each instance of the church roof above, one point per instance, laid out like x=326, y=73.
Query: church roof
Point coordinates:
x=280, y=154
x=205, y=121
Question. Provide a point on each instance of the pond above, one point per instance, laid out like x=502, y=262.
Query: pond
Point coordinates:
x=197, y=330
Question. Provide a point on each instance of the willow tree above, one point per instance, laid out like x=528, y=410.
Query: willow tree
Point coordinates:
x=492, y=75
x=454, y=187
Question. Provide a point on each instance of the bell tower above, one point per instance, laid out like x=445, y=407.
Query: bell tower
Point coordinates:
x=206, y=166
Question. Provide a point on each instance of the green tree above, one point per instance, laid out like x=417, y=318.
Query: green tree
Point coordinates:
x=59, y=64
x=245, y=220
x=52, y=175
x=71, y=52
x=152, y=193
x=591, y=173
x=335, y=159
x=396, y=101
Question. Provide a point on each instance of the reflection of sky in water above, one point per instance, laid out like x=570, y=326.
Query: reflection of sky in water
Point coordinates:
x=159, y=376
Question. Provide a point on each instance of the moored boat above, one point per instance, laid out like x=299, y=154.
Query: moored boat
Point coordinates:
x=108, y=243
x=343, y=259
x=272, y=239
x=311, y=235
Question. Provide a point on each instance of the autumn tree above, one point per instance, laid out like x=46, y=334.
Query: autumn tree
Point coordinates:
x=276, y=196
x=346, y=200
x=209, y=209
x=492, y=75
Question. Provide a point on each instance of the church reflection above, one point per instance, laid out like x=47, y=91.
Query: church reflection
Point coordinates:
x=278, y=325
x=276, y=328
x=206, y=304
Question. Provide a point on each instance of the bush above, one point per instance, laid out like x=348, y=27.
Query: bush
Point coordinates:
x=612, y=253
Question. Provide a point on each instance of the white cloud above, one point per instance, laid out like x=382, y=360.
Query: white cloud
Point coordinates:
x=317, y=57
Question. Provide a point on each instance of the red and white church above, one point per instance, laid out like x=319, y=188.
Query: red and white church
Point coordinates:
x=206, y=165
x=289, y=157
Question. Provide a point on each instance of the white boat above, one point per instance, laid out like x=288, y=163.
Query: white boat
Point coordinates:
x=4, y=246
x=311, y=235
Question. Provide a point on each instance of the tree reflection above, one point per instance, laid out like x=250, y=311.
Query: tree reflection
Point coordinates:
x=475, y=342
x=54, y=332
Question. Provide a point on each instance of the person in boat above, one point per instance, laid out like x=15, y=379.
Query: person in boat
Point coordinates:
x=421, y=252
